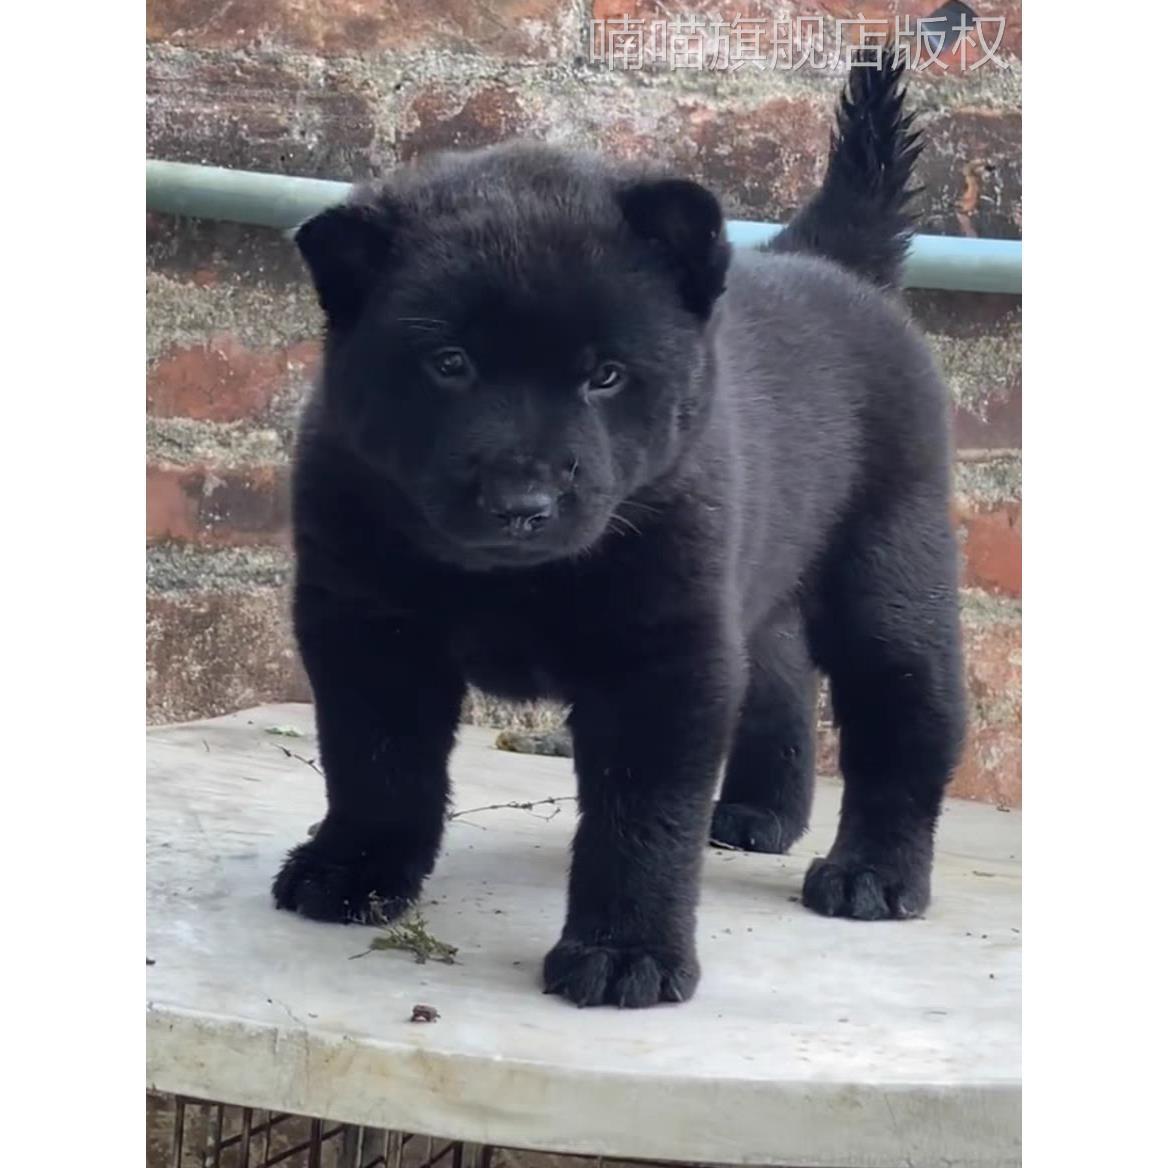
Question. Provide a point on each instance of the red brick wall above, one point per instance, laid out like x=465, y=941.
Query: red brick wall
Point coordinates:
x=345, y=88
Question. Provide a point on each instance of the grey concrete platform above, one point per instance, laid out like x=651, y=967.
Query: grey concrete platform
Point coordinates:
x=811, y=1042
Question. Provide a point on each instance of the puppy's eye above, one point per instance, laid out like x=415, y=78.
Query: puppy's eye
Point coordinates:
x=607, y=379
x=450, y=365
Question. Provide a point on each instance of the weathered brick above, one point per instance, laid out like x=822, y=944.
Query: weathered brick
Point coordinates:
x=211, y=252
x=762, y=161
x=266, y=114
x=180, y=567
x=971, y=171
x=217, y=506
x=978, y=339
x=184, y=442
x=513, y=28
x=964, y=315
x=991, y=768
x=984, y=377
x=996, y=426
x=986, y=480
x=765, y=159
x=992, y=547
x=183, y=313
x=440, y=118
x=212, y=652
x=224, y=381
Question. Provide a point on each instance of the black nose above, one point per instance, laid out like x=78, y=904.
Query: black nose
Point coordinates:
x=521, y=511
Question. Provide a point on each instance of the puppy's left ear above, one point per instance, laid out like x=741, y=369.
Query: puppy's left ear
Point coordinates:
x=684, y=221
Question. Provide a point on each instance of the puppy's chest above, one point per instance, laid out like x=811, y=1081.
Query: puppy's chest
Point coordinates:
x=519, y=645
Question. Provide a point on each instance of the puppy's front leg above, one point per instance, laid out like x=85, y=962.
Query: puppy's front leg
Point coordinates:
x=387, y=703
x=649, y=740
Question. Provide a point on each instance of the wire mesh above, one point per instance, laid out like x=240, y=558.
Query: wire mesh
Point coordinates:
x=195, y=1133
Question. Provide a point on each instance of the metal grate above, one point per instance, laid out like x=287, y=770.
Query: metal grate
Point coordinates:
x=194, y=1133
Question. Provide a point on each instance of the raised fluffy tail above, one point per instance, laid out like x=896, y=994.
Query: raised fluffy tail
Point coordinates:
x=859, y=217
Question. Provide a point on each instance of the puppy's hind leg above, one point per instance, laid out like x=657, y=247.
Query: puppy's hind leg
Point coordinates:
x=889, y=637
x=770, y=776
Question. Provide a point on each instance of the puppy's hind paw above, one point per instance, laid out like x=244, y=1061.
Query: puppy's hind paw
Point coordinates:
x=753, y=829
x=864, y=891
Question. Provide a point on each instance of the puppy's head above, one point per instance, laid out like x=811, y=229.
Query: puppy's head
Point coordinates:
x=518, y=341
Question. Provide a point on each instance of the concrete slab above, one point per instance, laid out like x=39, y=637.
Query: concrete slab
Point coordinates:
x=811, y=1042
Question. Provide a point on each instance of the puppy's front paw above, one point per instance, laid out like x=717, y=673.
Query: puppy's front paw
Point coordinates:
x=854, y=886
x=627, y=976
x=331, y=881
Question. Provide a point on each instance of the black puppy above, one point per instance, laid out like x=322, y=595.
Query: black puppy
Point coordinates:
x=566, y=445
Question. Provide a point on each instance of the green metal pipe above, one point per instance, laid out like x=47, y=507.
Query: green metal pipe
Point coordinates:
x=276, y=200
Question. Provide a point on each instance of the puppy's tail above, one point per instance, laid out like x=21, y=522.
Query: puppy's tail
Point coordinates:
x=859, y=217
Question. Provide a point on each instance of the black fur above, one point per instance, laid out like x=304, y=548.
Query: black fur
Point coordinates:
x=565, y=445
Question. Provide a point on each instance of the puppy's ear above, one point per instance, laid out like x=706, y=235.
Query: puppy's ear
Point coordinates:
x=684, y=220
x=347, y=249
